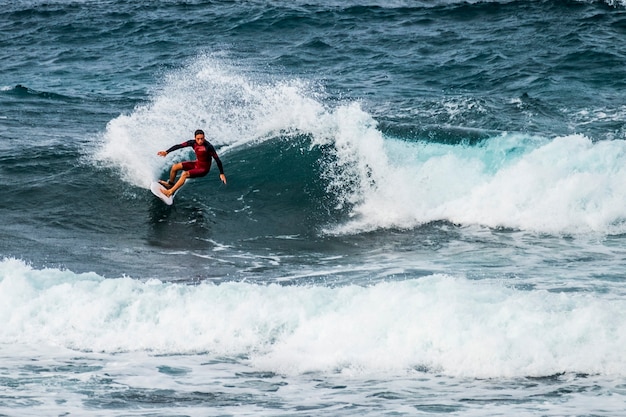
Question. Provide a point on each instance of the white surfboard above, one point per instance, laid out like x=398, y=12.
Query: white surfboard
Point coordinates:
x=156, y=188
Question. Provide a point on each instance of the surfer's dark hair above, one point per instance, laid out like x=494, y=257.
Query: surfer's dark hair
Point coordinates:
x=199, y=132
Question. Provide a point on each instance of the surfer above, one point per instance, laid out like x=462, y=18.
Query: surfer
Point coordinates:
x=205, y=152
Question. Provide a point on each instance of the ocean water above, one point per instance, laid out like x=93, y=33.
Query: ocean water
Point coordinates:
x=425, y=211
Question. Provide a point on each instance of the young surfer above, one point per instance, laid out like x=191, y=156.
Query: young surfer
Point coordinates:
x=205, y=152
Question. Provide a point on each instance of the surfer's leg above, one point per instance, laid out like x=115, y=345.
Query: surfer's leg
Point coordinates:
x=179, y=183
x=174, y=171
x=166, y=184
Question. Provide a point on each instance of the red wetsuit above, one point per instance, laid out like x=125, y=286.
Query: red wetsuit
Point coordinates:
x=204, y=154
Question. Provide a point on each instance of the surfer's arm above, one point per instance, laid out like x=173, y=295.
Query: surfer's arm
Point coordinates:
x=176, y=147
x=218, y=162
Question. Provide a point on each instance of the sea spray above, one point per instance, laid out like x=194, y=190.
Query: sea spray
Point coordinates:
x=209, y=94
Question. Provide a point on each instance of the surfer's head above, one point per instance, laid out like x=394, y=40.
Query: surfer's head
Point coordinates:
x=199, y=135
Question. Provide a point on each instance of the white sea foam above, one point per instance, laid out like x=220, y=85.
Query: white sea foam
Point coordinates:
x=563, y=185
x=446, y=324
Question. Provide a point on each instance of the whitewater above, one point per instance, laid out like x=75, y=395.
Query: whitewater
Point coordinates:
x=449, y=325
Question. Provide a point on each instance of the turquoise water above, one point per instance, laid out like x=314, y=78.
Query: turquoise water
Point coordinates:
x=424, y=212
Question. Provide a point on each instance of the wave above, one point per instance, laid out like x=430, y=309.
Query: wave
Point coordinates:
x=288, y=128
x=21, y=91
x=440, y=323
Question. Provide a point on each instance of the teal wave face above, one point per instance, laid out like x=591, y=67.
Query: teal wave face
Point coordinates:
x=277, y=187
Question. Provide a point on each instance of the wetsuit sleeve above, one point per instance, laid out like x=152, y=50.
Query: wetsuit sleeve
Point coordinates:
x=180, y=146
x=218, y=162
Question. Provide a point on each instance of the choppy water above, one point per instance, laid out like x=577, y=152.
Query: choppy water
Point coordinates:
x=424, y=212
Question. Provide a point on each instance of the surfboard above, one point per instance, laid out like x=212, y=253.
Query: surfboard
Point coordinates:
x=156, y=188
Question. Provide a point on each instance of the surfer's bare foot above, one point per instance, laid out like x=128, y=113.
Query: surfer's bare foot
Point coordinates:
x=166, y=184
x=166, y=193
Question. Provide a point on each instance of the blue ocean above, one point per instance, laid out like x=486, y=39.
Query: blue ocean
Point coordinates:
x=425, y=212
